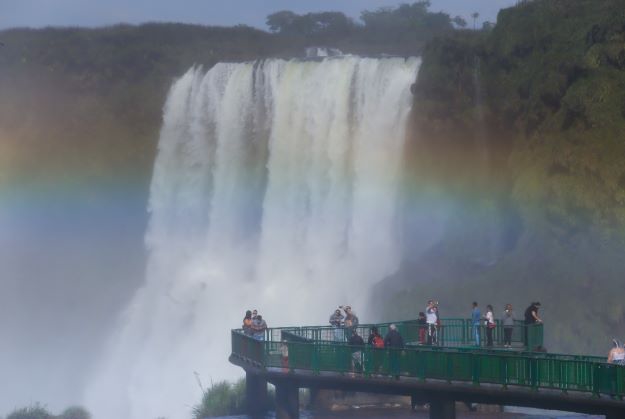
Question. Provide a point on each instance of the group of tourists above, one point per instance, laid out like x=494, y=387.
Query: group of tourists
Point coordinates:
x=346, y=329
x=430, y=323
x=254, y=325
x=507, y=322
x=343, y=324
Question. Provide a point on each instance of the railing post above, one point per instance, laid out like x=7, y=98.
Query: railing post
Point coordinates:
x=314, y=362
x=465, y=341
x=503, y=368
x=475, y=362
x=534, y=373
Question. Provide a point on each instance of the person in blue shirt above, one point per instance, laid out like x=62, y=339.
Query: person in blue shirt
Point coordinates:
x=476, y=316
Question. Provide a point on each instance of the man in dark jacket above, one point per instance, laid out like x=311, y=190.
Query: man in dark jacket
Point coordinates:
x=531, y=318
x=393, y=339
x=357, y=344
x=394, y=342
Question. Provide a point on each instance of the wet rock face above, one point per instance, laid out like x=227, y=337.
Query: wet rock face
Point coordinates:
x=521, y=133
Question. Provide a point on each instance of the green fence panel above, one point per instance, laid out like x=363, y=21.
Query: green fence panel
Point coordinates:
x=294, y=348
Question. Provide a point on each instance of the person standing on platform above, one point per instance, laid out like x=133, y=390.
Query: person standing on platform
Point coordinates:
x=423, y=328
x=357, y=344
x=476, y=317
x=531, y=317
x=336, y=320
x=394, y=341
x=377, y=343
x=490, y=325
x=508, y=326
x=431, y=318
x=259, y=326
x=531, y=314
x=351, y=321
x=247, y=323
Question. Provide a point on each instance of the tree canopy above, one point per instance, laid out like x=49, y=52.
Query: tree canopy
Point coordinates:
x=408, y=23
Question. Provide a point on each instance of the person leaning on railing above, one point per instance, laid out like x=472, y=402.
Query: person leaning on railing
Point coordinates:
x=531, y=317
x=259, y=326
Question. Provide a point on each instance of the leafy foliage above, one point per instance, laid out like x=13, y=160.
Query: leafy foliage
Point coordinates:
x=38, y=411
x=403, y=29
x=35, y=411
x=521, y=133
x=221, y=399
x=75, y=412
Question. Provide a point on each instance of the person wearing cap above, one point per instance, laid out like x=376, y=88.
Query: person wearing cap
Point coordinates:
x=394, y=341
x=393, y=338
x=336, y=320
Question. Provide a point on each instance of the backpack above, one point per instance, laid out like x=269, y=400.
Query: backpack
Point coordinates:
x=378, y=342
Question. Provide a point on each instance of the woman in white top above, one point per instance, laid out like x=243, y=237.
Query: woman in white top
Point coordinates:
x=490, y=325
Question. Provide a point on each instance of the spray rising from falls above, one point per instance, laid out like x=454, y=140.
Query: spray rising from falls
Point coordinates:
x=275, y=187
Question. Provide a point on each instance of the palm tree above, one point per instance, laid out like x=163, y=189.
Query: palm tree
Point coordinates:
x=475, y=15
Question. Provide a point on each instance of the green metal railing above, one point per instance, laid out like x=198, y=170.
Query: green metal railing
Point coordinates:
x=534, y=370
x=451, y=332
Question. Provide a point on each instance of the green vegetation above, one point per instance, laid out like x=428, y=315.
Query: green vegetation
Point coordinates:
x=224, y=399
x=221, y=399
x=37, y=411
x=402, y=30
x=521, y=131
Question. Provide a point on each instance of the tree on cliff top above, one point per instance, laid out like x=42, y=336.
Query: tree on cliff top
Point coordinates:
x=407, y=22
x=311, y=24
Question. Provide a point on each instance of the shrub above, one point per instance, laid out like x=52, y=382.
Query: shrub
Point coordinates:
x=75, y=412
x=35, y=411
x=222, y=399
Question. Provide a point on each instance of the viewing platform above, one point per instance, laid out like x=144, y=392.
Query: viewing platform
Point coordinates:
x=455, y=370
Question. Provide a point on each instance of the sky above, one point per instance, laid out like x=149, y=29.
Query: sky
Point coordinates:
x=90, y=13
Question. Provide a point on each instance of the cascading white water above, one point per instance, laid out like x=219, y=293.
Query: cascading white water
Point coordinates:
x=275, y=187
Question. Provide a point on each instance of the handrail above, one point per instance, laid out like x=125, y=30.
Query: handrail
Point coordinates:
x=470, y=365
x=450, y=332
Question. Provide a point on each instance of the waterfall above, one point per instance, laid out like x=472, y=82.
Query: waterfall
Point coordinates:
x=275, y=187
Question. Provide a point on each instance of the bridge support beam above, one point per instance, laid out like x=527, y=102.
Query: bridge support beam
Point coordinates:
x=256, y=400
x=287, y=401
x=442, y=408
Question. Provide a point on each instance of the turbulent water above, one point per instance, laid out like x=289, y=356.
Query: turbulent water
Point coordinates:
x=276, y=187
